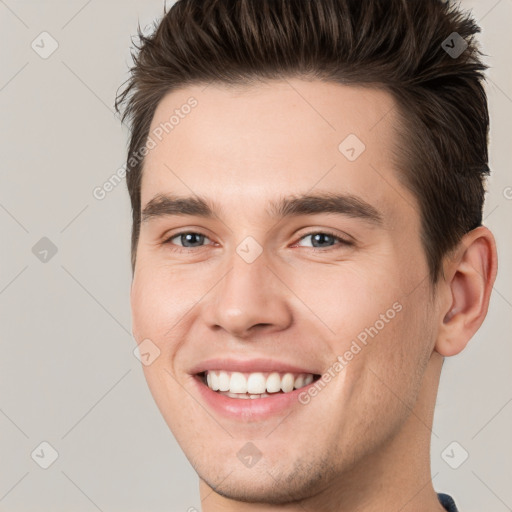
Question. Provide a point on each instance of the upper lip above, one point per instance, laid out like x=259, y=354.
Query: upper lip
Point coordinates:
x=249, y=366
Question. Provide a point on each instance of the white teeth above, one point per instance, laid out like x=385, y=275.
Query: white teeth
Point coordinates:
x=237, y=395
x=255, y=385
x=238, y=383
x=244, y=395
x=274, y=383
x=214, y=381
x=287, y=382
x=224, y=381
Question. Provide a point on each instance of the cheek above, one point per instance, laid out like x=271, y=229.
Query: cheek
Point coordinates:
x=385, y=331
x=400, y=354
x=157, y=307
x=383, y=381
x=160, y=300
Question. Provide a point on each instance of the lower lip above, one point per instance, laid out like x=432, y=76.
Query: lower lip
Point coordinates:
x=250, y=409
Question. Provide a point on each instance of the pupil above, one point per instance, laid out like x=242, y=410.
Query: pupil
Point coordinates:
x=320, y=237
x=189, y=237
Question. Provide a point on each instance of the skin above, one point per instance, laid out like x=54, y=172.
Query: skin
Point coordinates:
x=363, y=443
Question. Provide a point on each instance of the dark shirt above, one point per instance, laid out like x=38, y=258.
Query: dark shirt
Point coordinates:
x=447, y=502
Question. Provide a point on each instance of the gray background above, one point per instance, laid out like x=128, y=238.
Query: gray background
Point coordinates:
x=68, y=375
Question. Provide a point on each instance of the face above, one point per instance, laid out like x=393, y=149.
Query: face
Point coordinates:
x=254, y=281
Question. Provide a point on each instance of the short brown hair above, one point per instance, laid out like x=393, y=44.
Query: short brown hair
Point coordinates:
x=400, y=46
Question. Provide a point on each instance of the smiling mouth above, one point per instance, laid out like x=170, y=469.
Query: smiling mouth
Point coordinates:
x=256, y=384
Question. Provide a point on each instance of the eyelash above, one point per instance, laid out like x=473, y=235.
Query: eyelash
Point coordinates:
x=342, y=241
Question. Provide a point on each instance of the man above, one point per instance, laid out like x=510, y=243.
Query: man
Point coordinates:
x=307, y=184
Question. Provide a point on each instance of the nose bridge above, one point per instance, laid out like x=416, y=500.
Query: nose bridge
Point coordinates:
x=249, y=294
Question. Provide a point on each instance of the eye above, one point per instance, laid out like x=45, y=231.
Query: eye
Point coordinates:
x=191, y=240
x=187, y=239
x=319, y=239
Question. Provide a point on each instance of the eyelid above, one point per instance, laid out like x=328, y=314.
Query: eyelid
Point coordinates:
x=345, y=240
x=330, y=231
x=167, y=239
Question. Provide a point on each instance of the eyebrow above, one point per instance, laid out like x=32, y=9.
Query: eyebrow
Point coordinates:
x=163, y=205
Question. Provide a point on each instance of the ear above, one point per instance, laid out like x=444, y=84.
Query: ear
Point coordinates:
x=466, y=290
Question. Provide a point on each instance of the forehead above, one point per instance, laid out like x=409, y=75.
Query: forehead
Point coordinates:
x=245, y=146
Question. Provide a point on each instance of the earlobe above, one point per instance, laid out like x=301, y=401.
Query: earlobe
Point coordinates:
x=471, y=276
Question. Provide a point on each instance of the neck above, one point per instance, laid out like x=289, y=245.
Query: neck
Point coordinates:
x=395, y=477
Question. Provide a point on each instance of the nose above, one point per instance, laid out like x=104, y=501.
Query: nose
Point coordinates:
x=249, y=298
